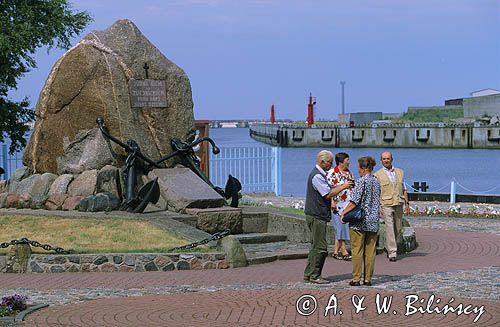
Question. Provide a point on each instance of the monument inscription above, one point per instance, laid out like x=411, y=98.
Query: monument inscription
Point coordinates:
x=148, y=93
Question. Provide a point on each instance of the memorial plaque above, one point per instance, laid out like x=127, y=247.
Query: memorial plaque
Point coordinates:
x=148, y=93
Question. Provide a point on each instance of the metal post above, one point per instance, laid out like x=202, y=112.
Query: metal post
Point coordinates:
x=274, y=169
x=277, y=170
x=280, y=172
x=342, y=84
x=5, y=163
x=452, y=192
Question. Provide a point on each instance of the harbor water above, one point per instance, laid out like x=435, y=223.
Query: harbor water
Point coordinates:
x=475, y=171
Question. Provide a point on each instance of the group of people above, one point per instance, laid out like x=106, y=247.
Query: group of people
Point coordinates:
x=332, y=192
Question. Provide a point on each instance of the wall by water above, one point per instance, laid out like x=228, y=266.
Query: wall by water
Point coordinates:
x=397, y=136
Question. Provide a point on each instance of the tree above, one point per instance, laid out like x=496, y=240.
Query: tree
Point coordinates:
x=26, y=25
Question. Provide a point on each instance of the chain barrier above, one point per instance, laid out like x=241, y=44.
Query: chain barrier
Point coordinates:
x=475, y=192
x=24, y=240
x=487, y=192
x=214, y=237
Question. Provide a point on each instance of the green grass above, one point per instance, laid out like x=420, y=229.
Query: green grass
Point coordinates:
x=292, y=210
x=91, y=235
x=431, y=115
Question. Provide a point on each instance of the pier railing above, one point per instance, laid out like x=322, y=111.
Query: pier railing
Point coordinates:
x=257, y=168
x=9, y=162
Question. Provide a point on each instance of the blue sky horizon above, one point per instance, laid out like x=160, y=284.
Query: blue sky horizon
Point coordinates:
x=242, y=56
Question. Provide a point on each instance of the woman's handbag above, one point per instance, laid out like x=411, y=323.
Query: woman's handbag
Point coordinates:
x=354, y=216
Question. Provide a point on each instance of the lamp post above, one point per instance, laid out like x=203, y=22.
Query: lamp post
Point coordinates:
x=342, y=85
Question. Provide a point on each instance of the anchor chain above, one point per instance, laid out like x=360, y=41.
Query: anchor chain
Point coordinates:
x=24, y=240
x=214, y=237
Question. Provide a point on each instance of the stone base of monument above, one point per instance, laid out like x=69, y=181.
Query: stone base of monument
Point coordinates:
x=182, y=189
x=99, y=189
x=213, y=220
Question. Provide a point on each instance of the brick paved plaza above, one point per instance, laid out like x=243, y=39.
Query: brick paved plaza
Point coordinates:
x=457, y=267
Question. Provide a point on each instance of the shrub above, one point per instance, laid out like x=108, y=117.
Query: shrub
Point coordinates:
x=5, y=311
x=12, y=303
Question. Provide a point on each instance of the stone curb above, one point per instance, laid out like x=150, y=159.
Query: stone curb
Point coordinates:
x=293, y=256
x=22, y=315
x=262, y=259
x=117, y=262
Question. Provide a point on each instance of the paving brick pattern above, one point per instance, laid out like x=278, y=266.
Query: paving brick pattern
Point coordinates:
x=439, y=250
x=264, y=308
x=461, y=265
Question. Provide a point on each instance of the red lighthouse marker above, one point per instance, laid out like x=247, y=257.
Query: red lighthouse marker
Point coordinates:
x=272, y=115
x=310, y=111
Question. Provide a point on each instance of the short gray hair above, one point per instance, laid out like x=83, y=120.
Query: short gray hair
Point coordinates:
x=324, y=156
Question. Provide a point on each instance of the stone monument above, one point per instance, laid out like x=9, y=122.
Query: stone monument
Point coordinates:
x=119, y=75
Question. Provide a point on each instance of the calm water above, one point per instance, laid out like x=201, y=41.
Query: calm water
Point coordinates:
x=475, y=171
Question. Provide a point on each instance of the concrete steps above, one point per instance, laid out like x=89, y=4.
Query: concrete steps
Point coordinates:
x=254, y=222
x=261, y=246
x=257, y=238
x=268, y=252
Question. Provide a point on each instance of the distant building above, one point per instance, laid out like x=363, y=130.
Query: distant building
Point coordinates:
x=343, y=118
x=484, y=92
x=479, y=106
x=484, y=102
x=454, y=102
x=361, y=118
x=481, y=103
x=392, y=115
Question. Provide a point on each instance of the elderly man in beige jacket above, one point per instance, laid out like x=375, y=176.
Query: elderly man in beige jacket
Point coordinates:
x=392, y=197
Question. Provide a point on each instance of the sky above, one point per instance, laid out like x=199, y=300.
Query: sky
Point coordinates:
x=242, y=56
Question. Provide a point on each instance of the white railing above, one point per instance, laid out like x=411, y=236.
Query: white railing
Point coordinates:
x=257, y=168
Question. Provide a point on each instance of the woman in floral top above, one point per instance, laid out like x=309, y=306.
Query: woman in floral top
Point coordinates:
x=366, y=193
x=340, y=175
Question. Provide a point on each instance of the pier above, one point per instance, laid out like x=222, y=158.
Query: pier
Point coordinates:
x=417, y=135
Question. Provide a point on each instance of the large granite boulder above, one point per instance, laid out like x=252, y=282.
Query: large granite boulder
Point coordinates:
x=60, y=184
x=106, y=201
x=83, y=184
x=17, y=176
x=94, y=79
x=89, y=150
x=55, y=201
x=38, y=185
x=108, y=180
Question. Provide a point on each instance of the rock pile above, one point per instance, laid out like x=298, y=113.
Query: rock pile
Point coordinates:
x=91, y=190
